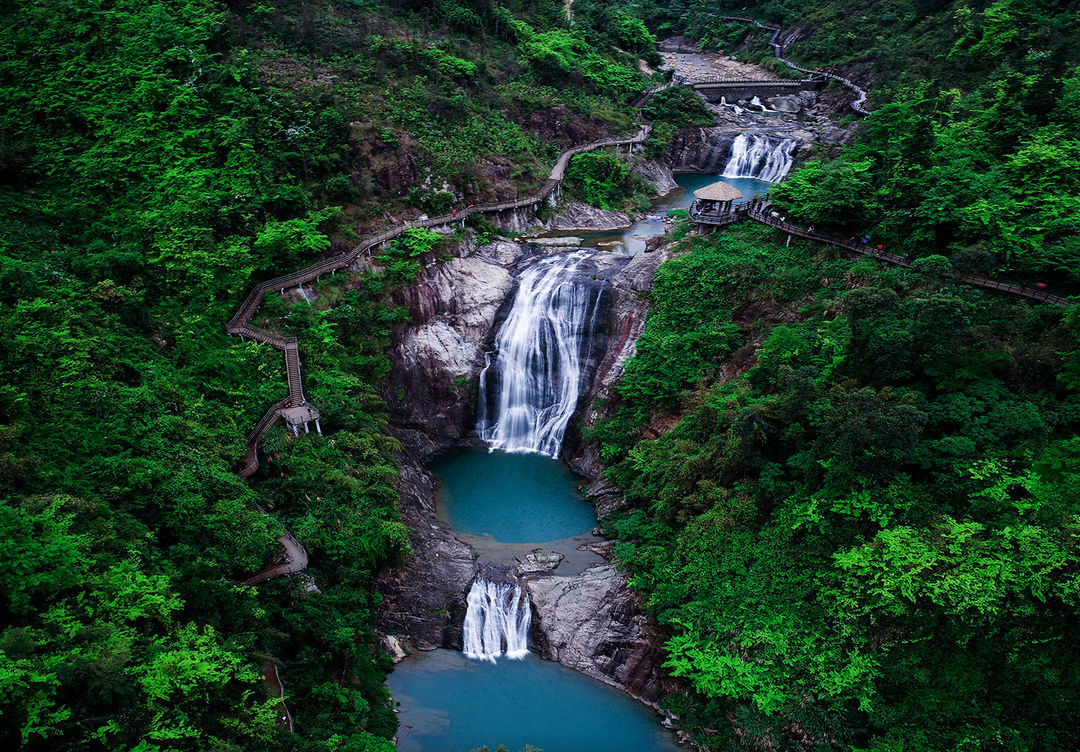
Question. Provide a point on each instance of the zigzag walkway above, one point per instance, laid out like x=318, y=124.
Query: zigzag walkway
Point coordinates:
x=294, y=558
x=295, y=409
x=760, y=213
x=859, y=104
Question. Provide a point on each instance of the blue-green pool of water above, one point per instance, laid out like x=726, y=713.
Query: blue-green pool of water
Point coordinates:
x=515, y=498
x=633, y=238
x=448, y=702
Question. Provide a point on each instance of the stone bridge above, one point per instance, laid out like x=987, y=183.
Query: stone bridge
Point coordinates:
x=734, y=89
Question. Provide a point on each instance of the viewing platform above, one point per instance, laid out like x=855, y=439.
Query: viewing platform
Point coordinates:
x=715, y=205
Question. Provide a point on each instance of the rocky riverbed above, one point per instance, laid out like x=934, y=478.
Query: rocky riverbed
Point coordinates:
x=807, y=116
x=585, y=616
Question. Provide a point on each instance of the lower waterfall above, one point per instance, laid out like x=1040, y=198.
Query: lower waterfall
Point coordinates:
x=497, y=621
x=760, y=157
x=530, y=387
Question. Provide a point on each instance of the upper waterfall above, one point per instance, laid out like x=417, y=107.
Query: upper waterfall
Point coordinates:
x=760, y=157
x=497, y=621
x=530, y=387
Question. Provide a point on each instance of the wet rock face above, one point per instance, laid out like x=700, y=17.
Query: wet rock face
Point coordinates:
x=424, y=599
x=440, y=354
x=700, y=149
x=658, y=175
x=627, y=320
x=577, y=215
x=592, y=623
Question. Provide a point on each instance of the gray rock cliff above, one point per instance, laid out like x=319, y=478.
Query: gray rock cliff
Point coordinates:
x=591, y=623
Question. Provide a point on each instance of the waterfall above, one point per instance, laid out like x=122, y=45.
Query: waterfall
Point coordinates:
x=497, y=621
x=529, y=388
x=759, y=157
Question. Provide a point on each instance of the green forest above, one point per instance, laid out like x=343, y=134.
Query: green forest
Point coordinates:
x=858, y=528
x=861, y=529
x=157, y=159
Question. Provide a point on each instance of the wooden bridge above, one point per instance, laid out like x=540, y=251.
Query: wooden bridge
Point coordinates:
x=759, y=212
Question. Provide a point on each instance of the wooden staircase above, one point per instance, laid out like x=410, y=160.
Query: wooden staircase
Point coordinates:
x=292, y=373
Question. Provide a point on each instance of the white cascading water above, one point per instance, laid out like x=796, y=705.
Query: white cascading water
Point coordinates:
x=724, y=103
x=756, y=102
x=497, y=621
x=540, y=353
x=759, y=157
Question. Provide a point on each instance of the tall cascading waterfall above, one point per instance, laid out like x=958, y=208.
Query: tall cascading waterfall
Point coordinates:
x=497, y=621
x=760, y=157
x=530, y=387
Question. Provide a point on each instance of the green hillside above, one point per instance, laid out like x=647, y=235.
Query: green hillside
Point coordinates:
x=157, y=159
x=862, y=529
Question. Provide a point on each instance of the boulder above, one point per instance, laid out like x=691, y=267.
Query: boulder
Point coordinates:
x=592, y=623
x=567, y=242
x=539, y=560
x=577, y=216
x=436, y=359
x=658, y=175
x=785, y=103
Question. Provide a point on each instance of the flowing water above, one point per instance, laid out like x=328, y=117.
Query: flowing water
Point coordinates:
x=515, y=498
x=497, y=621
x=528, y=392
x=449, y=702
x=532, y=383
x=760, y=157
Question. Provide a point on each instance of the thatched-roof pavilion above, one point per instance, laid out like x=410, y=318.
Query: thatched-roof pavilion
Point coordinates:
x=718, y=191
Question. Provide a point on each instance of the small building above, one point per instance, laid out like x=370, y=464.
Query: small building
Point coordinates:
x=714, y=205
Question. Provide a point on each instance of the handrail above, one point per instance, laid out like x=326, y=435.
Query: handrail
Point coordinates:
x=748, y=81
x=263, y=425
x=977, y=280
x=778, y=50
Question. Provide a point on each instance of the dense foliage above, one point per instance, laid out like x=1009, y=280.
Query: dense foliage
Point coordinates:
x=679, y=107
x=603, y=179
x=157, y=157
x=863, y=529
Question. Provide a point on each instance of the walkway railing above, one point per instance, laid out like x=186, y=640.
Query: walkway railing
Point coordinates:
x=859, y=104
x=761, y=214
